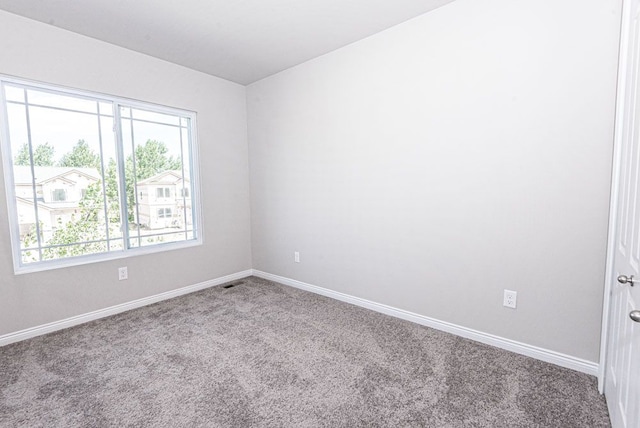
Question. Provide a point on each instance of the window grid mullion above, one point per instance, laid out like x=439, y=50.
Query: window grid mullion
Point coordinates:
x=33, y=175
x=134, y=163
x=69, y=110
x=194, y=224
x=104, y=186
x=122, y=186
x=184, y=197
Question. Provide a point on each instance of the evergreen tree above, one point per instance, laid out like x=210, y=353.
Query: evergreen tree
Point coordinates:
x=81, y=156
x=42, y=155
x=151, y=159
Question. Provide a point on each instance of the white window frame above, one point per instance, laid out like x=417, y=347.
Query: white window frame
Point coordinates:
x=7, y=164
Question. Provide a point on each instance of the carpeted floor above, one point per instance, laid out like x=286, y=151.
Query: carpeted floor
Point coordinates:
x=262, y=354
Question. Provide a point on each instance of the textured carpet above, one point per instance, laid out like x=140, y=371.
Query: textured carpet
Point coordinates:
x=266, y=355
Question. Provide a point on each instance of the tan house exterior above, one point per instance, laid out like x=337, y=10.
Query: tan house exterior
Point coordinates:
x=58, y=191
x=164, y=201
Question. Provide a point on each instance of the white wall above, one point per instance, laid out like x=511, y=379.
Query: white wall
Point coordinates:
x=435, y=164
x=41, y=52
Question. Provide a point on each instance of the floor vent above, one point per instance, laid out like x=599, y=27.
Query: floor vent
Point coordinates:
x=233, y=284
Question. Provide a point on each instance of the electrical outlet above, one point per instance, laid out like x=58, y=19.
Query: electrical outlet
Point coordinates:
x=510, y=299
x=296, y=257
x=123, y=273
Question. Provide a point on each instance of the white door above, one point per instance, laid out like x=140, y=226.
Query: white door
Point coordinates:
x=622, y=362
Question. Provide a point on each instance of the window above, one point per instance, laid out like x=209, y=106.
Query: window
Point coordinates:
x=164, y=213
x=58, y=195
x=184, y=192
x=163, y=192
x=107, y=151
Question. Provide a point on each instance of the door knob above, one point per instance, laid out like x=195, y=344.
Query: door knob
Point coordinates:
x=635, y=315
x=624, y=279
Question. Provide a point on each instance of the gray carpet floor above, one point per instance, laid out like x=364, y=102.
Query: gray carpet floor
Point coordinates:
x=261, y=354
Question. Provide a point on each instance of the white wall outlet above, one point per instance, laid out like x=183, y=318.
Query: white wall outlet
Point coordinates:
x=296, y=257
x=123, y=273
x=510, y=299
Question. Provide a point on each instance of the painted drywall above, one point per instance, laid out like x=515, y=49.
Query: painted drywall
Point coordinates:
x=42, y=52
x=433, y=165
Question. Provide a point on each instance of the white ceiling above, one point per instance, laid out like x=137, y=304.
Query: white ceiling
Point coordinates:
x=239, y=40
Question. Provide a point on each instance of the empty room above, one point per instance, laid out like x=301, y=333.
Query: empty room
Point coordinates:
x=316, y=213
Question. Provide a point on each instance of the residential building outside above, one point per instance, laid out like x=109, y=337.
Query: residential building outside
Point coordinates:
x=164, y=200
x=58, y=191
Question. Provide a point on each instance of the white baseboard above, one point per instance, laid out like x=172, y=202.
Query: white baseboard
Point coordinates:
x=101, y=313
x=542, y=354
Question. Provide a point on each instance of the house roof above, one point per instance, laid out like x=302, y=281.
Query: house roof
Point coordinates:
x=166, y=177
x=22, y=174
x=29, y=202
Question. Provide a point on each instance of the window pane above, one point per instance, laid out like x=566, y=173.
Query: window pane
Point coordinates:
x=155, y=117
x=162, y=238
x=14, y=94
x=73, y=250
x=26, y=208
x=157, y=159
x=18, y=133
x=61, y=101
x=106, y=108
x=61, y=207
x=111, y=178
x=116, y=245
x=30, y=256
x=134, y=242
x=61, y=130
